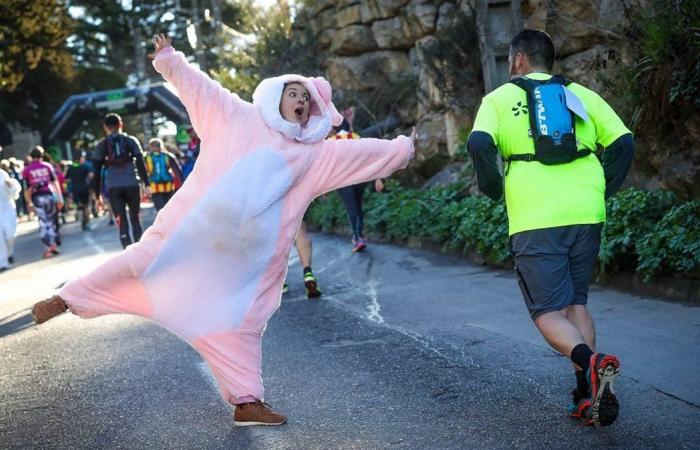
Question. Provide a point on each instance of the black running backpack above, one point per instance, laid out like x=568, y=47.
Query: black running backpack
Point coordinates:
x=119, y=150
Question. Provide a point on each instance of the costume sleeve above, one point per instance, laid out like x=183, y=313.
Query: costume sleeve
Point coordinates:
x=208, y=104
x=345, y=162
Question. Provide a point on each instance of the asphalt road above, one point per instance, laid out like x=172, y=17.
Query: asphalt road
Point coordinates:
x=406, y=349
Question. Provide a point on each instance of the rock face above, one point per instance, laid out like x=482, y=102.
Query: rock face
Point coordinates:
x=352, y=40
x=420, y=60
x=368, y=70
x=389, y=57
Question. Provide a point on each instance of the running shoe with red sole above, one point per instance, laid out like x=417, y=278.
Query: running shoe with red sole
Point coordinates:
x=580, y=409
x=602, y=373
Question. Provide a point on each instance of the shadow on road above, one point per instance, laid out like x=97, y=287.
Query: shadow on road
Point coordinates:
x=15, y=322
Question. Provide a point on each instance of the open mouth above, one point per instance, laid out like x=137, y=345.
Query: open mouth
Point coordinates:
x=299, y=112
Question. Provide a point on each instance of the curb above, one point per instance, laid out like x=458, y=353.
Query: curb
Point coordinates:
x=678, y=290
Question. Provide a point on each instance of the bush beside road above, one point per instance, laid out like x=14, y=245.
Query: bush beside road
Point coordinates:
x=651, y=233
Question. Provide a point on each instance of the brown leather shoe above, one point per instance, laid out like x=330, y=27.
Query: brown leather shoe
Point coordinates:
x=48, y=309
x=256, y=413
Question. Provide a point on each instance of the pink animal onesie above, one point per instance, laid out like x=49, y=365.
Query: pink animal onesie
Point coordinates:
x=211, y=267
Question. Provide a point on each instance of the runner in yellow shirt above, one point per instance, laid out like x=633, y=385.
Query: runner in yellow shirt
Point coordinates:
x=546, y=129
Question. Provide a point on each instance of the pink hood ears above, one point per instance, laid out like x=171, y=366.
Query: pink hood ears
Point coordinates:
x=326, y=93
x=323, y=114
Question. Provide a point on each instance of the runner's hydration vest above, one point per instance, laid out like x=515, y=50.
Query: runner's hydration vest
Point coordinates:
x=552, y=124
x=119, y=150
x=157, y=164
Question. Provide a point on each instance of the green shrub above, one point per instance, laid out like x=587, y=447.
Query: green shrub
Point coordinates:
x=653, y=233
x=441, y=213
x=631, y=215
x=327, y=213
x=399, y=214
x=484, y=228
x=673, y=247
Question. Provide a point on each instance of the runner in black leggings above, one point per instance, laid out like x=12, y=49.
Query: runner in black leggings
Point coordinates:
x=122, y=198
x=122, y=157
x=352, y=195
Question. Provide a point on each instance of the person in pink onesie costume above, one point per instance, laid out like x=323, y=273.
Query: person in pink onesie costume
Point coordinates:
x=211, y=267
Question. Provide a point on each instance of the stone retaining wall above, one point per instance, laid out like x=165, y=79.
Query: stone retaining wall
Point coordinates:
x=385, y=54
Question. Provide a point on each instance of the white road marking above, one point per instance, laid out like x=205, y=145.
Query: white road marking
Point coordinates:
x=373, y=306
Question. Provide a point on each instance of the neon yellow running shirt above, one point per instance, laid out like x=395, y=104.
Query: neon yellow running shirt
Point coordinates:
x=540, y=196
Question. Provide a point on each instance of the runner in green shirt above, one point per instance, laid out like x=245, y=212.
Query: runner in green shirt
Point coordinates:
x=556, y=202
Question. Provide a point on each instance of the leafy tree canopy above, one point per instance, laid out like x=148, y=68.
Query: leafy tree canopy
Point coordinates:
x=32, y=32
x=77, y=46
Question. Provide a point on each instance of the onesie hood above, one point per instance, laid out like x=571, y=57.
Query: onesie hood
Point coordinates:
x=322, y=113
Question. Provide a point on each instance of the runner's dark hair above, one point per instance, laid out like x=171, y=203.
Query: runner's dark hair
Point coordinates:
x=112, y=120
x=538, y=47
x=37, y=152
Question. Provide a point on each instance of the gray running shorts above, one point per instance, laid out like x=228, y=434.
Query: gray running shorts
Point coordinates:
x=554, y=265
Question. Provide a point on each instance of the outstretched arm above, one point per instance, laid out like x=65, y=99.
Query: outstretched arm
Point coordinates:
x=345, y=162
x=208, y=104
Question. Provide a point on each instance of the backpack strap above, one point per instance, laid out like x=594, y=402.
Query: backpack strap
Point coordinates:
x=557, y=79
x=529, y=157
x=128, y=143
x=528, y=86
x=108, y=146
x=524, y=83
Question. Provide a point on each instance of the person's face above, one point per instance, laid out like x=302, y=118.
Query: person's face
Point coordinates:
x=294, y=105
x=154, y=147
